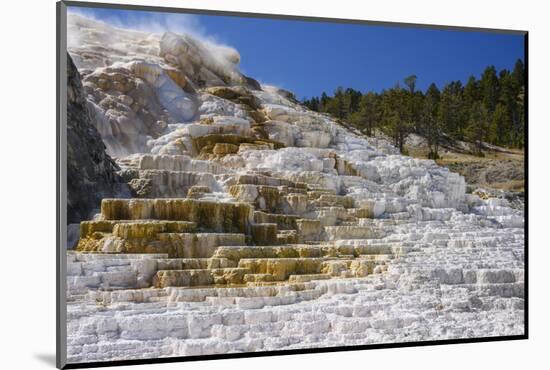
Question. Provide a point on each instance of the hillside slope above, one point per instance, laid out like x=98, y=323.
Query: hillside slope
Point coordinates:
x=498, y=169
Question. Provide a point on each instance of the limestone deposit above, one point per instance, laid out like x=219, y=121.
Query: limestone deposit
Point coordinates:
x=256, y=224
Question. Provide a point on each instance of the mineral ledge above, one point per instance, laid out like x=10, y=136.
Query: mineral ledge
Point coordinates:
x=259, y=225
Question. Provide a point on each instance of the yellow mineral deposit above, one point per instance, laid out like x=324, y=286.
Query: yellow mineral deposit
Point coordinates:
x=252, y=241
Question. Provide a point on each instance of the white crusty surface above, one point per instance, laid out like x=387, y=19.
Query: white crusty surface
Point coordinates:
x=455, y=267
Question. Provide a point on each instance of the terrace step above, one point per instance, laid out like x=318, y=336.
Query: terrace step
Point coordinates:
x=282, y=268
x=283, y=221
x=155, y=183
x=264, y=233
x=134, y=228
x=194, y=263
x=170, y=163
x=351, y=232
x=154, y=239
x=307, y=277
x=199, y=277
x=208, y=215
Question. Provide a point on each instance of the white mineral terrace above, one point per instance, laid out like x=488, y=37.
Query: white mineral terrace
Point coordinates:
x=260, y=225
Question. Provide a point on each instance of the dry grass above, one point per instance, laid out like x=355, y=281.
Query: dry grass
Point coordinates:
x=472, y=166
x=512, y=185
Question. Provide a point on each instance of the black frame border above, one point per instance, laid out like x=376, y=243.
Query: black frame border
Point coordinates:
x=61, y=34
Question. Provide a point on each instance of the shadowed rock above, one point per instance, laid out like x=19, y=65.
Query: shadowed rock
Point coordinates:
x=91, y=173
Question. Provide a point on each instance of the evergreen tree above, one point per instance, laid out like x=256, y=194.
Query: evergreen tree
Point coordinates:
x=431, y=126
x=489, y=88
x=323, y=102
x=451, y=112
x=337, y=105
x=518, y=122
x=508, y=110
x=518, y=116
x=500, y=125
x=477, y=126
x=395, y=116
x=455, y=111
x=368, y=115
x=471, y=91
x=518, y=75
x=353, y=97
x=410, y=81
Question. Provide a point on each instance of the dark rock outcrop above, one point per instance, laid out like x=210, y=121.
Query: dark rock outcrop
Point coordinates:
x=91, y=172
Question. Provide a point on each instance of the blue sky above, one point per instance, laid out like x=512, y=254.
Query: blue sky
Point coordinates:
x=311, y=57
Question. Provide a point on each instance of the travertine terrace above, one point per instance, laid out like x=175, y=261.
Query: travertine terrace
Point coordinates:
x=256, y=224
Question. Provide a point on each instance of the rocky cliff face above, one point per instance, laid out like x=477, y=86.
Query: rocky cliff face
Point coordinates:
x=257, y=224
x=91, y=173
